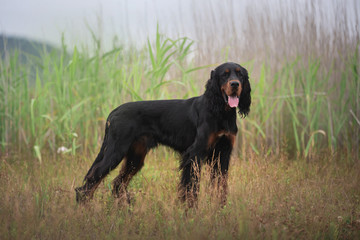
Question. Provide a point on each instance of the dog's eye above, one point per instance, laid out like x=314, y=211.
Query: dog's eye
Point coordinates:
x=237, y=70
x=226, y=72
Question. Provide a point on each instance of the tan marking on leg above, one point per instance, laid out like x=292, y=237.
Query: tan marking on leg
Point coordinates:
x=232, y=138
x=139, y=148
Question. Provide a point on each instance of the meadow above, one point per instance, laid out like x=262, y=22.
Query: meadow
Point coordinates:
x=295, y=169
x=269, y=198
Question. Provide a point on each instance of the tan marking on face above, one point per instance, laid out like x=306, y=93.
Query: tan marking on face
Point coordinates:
x=228, y=90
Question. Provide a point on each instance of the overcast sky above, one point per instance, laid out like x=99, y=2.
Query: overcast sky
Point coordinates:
x=136, y=19
x=47, y=19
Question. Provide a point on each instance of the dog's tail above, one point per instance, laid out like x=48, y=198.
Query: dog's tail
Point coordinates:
x=100, y=155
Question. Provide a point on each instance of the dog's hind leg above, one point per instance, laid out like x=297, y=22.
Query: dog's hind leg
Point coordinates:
x=99, y=169
x=134, y=162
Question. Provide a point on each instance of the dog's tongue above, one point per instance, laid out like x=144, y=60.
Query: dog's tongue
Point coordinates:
x=233, y=101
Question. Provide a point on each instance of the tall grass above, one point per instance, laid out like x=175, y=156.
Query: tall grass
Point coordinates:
x=65, y=100
x=305, y=94
x=304, y=62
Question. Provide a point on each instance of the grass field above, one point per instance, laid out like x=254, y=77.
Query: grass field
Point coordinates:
x=295, y=170
x=271, y=197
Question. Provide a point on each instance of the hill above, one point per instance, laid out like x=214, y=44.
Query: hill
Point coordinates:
x=24, y=47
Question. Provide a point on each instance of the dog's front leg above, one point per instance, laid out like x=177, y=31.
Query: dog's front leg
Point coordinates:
x=191, y=168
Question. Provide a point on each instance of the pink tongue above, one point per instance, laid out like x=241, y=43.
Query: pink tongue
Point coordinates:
x=233, y=101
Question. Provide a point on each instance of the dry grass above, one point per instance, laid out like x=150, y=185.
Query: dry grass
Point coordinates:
x=270, y=197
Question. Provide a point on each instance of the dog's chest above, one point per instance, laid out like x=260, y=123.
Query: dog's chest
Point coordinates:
x=227, y=129
x=227, y=125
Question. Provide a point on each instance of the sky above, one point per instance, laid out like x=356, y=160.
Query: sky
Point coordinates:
x=133, y=20
x=47, y=20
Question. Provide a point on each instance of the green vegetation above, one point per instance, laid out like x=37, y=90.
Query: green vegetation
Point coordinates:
x=72, y=95
x=295, y=169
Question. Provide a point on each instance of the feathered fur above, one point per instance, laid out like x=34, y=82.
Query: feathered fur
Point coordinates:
x=201, y=129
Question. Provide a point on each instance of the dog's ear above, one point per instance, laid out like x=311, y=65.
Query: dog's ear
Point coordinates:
x=213, y=93
x=245, y=97
x=211, y=85
x=212, y=74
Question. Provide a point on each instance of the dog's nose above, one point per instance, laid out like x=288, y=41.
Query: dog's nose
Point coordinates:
x=234, y=84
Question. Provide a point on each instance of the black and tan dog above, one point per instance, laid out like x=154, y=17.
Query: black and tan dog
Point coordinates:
x=199, y=128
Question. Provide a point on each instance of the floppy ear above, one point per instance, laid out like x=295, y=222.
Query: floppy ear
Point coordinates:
x=212, y=74
x=213, y=93
x=212, y=85
x=245, y=97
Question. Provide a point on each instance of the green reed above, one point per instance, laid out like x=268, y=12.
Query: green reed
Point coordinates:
x=62, y=100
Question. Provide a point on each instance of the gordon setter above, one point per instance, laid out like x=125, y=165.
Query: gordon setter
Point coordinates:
x=199, y=128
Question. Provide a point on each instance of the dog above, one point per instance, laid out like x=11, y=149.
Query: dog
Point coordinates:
x=202, y=129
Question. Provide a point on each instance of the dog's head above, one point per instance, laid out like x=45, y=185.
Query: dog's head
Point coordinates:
x=230, y=81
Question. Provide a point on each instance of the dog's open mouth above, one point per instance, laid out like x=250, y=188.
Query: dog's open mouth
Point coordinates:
x=232, y=101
